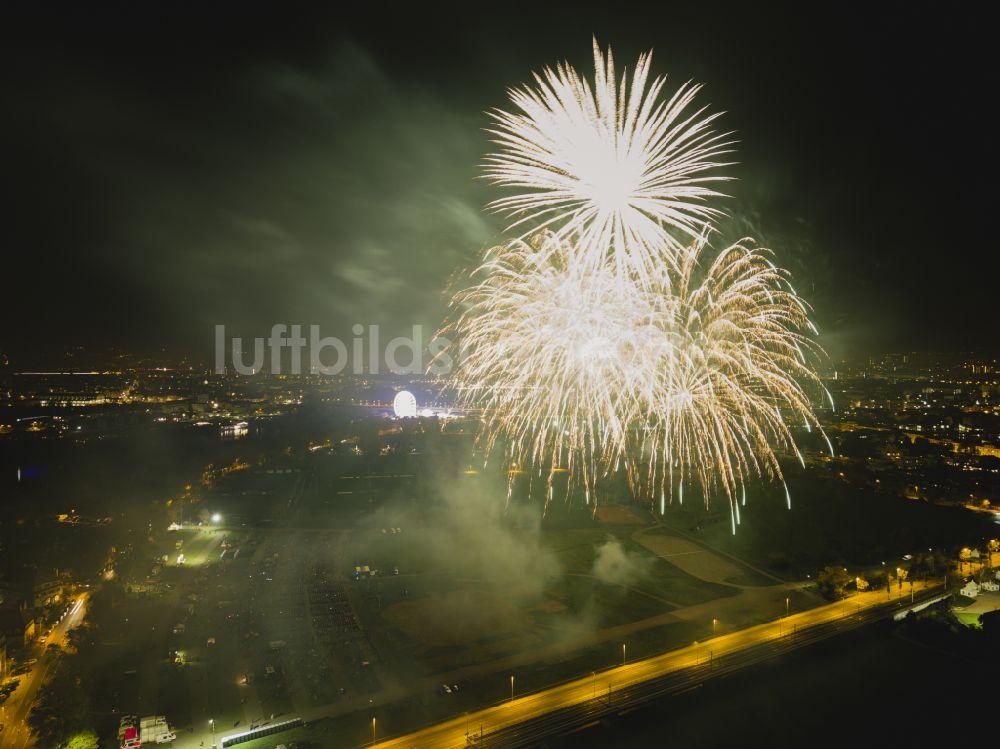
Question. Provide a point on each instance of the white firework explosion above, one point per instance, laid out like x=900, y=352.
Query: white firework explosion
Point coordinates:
x=621, y=170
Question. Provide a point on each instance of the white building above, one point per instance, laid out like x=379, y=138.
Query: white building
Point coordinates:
x=971, y=590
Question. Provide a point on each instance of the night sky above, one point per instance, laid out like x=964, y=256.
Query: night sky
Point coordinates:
x=171, y=169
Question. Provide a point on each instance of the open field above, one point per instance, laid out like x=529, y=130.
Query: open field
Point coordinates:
x=691, y=558
x=445, y=615
x=828, y=524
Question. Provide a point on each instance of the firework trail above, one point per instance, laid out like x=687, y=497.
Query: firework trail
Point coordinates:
x=735, y=368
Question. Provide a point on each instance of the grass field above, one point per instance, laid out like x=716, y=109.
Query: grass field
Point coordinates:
x=969, y=620
x=829, y=523
x=441, y=616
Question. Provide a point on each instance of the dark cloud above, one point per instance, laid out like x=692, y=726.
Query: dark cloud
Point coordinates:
x=354, y=203
x=175, y=168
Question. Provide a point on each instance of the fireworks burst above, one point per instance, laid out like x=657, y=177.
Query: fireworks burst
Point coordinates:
x=585, y=371
x=599, y=340
x=733, y=369
x=553, y=355
x=609, y=164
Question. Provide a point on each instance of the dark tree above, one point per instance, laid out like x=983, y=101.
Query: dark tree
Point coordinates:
x=831, y=581
x=61, y=710
x=991, y=625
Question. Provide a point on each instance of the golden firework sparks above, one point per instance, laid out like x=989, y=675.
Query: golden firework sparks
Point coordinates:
x=599, y=340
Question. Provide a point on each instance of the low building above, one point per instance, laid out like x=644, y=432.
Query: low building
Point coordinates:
x=34, y=589
x=47, y=589
x=971, y=589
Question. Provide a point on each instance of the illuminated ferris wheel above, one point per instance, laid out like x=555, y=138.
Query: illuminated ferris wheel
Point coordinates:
x=404, y=404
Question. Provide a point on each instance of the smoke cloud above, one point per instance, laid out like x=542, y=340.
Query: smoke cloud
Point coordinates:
x=615, y=566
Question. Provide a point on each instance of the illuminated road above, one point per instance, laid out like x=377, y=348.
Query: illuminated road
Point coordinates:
x=617, y=688
x=14, y=713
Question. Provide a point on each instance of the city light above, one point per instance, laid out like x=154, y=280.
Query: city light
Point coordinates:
x=356, y=362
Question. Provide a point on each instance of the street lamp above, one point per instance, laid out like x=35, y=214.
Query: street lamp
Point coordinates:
x=373, y=729
x=623, y=653
x=512, y=688
x=216, y=518
x=211, y=722
x=714, y=623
